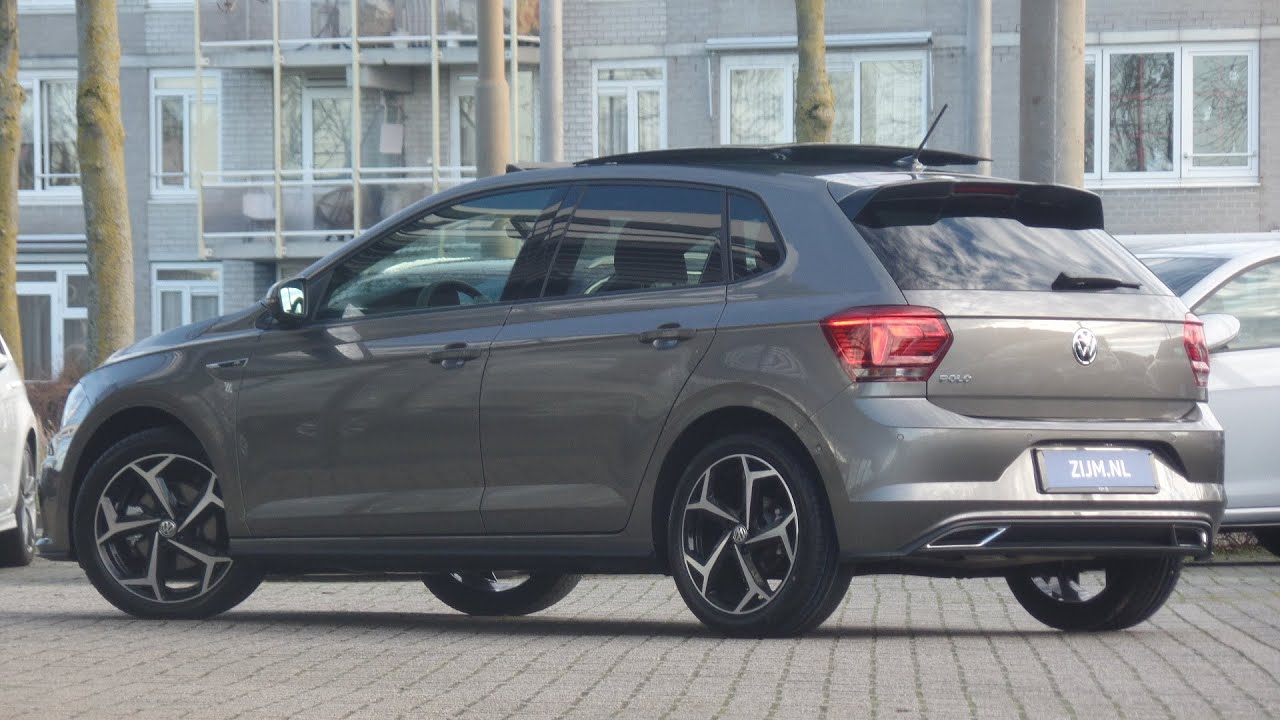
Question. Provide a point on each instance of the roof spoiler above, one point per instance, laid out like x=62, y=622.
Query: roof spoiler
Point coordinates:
x=924, y=202
x=809, y=154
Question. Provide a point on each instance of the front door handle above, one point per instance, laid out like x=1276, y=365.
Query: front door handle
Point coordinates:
x=667, y=335
x=454, y=355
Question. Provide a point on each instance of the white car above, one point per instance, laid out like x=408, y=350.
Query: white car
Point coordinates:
x=19, y=450
x=1236, y=276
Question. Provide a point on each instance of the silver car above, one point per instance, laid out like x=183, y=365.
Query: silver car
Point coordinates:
x=19, y=455
x=1233, y=281
x=759, y=370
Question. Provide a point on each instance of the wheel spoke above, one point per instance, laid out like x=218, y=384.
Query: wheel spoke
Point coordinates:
x=210, y=562
x=208, y=498
x=778, y=531
x=115, y=525
x=704, y=569
x=152, y=579
x=156, y=484
x=706, y=504
x=755, y=589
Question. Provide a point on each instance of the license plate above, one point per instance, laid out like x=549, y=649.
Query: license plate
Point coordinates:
x=1096, y=470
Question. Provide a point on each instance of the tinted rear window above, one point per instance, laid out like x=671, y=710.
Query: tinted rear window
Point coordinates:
x=960, y=246
x=1180, y=273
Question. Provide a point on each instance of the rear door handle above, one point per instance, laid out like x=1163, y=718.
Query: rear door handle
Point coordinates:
x=667, y=335
x=454, y=355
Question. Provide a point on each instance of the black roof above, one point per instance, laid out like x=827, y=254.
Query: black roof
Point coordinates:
x=809, y=154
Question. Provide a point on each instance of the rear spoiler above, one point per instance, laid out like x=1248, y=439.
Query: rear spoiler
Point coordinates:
x=924, y=202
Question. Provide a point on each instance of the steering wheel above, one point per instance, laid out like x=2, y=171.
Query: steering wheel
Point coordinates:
x=445, y=293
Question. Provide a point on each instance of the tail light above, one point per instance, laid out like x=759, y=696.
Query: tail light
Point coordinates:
x=890, y=343
x=1197, y=349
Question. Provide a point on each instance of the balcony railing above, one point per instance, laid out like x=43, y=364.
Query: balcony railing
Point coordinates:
x=239, y=208
x=326, y=24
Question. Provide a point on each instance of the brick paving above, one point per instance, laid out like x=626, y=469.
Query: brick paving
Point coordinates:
x=626, y=647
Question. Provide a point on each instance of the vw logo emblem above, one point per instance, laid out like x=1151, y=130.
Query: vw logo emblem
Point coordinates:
x=168, y=528
x=740, y=534
x=1085, y=346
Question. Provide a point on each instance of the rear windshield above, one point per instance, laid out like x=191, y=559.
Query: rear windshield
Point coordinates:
x=954, y=247
x=1180, y=273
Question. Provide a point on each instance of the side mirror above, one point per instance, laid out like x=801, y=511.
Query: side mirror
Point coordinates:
x=1219, y=329
x=287, y=302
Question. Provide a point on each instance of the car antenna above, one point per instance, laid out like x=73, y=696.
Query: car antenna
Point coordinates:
x=913, y=160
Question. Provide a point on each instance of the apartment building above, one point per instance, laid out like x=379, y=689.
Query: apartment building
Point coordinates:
x=310, y=120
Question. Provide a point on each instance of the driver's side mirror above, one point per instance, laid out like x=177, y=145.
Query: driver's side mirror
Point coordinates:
x=1219, y=330
x=287, y=302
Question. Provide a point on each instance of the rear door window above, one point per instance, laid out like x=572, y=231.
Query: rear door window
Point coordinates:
x=625, y=238
x=970, y=244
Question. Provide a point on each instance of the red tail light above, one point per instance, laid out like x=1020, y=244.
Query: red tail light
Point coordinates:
x=889, y=343
x=1197, y=349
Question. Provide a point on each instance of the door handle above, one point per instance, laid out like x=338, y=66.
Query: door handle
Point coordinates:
x=454, y=355
x=667, y=335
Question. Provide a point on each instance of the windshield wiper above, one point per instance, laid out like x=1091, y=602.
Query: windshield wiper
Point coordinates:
x=1065, y=282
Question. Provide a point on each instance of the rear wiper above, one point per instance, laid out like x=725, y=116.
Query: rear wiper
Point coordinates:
x=1065, y=282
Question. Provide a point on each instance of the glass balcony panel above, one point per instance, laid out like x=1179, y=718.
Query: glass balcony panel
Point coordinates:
x=239, y=23
x=319, y=208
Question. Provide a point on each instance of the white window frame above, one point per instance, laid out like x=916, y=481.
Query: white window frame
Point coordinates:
x=58, y=310
x=212, y=86
x=1184, y=173
x=188, y=288
x=46, y=7
x=33, y=85
x=835, y=60
x=629, y=89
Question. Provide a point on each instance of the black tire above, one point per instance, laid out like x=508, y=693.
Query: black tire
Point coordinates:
x=797, y=596
x=1134, y=590
x=189, y=588
x=18, y=546
x=488, y=594
x=1269, y=539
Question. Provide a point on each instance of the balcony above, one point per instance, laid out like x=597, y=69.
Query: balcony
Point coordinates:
x=238, y=33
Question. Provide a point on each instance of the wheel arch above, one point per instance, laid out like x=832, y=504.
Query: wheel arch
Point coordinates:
x=116, y=427
x=768, y=414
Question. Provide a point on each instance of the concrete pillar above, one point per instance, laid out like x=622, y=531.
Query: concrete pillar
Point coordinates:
x=1051, y=97
x=493, y=119
x=980, y=81
x=551, y=69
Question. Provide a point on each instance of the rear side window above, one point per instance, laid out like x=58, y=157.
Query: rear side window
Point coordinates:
x=755, y=245
x=1251, y=297
x=624, y=238
x=966, y=244
x=1181, y=273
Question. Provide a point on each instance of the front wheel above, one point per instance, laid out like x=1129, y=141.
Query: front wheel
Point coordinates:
x=499, y=593
x=1122, y=594
x=750, y=542
x=151, y=533
x=18, y=546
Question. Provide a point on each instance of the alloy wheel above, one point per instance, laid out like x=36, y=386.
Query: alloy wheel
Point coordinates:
x=160, y=528
x=740, y=531
x=1069, y=585
x=30, y=520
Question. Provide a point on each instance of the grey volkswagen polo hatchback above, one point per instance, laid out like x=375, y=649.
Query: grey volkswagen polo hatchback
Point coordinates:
x=760, y=370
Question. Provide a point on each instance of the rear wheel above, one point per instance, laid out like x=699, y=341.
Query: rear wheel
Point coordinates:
x=1269, y=539
x=1121, y=595
x=18, y=546
x=500, y=593
x=750, y=542
x=150, y=530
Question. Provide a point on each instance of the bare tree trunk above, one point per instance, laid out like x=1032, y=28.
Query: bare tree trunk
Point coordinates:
x=815, y=106
x=102, y=179
x=11, y=97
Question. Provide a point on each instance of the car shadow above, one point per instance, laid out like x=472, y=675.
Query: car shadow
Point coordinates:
x=548, y=625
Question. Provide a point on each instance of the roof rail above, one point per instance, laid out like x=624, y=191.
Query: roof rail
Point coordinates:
x=820, y=154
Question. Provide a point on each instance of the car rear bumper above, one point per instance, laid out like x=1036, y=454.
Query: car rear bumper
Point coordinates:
x=912, y=473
